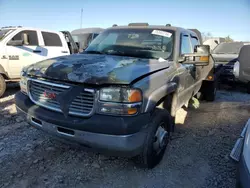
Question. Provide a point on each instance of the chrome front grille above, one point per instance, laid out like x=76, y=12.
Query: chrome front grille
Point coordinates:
x=82, y=105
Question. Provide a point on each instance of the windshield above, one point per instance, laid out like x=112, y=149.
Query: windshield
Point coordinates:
x=228, y=48
x=144, y=43
x=4, y=33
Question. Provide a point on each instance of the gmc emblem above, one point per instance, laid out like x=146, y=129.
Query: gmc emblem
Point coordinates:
x=49, y=95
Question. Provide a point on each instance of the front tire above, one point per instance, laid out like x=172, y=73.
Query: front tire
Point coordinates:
x=2, y=85
x=157, y=139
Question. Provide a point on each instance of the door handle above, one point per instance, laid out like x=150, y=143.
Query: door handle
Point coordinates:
x=37, y=51
x=64, y=52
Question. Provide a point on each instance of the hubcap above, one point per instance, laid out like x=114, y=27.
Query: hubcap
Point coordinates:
x=161, y=140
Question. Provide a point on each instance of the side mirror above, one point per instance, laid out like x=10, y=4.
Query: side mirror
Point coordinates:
x=15, y=43
x=200, y=57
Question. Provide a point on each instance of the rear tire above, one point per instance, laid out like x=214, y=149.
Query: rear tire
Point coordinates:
x=157, y=139
x=209, y=91
x=2, y=85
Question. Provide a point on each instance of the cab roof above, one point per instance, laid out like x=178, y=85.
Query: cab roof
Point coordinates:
x=147, y=27
x=140, y=26
x=28, y=28
x=194, y=32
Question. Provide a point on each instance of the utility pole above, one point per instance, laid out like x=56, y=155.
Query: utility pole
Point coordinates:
x=81, y=18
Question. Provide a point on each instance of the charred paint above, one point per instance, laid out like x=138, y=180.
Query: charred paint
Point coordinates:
x=95, y=69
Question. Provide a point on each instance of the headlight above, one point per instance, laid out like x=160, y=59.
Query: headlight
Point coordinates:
x=24, y=85
x=120, y=95
x=236, y=70
x=120, y=101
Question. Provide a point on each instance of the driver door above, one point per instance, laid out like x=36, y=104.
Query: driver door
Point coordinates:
x=187, y=73
x=26, y=54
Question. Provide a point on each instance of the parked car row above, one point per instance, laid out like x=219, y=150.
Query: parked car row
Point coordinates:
x=120, y=93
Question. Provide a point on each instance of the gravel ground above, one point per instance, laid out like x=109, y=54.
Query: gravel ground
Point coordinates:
x=198, y=155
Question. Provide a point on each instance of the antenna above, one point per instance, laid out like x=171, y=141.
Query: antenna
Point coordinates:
x=81, y=17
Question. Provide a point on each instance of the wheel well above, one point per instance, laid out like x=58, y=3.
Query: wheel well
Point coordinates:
x=166, y=102
x=4, y=76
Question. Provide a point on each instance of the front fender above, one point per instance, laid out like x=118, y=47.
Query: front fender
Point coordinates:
x=158, y=94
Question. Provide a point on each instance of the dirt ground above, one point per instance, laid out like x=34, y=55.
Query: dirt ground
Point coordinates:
x=198, y=155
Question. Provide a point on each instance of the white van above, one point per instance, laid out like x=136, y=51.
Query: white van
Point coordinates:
x=22, y=46
x=84, y=36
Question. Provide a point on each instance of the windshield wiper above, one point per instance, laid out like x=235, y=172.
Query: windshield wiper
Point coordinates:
x=94, y=52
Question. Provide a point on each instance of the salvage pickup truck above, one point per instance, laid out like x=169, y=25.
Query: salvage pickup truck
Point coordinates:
x=23, y=46
x=121, y=94
x=226, y=54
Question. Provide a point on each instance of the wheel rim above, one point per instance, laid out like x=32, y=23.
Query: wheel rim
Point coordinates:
x=161, y=139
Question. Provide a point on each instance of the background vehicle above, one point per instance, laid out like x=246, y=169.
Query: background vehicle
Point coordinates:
x=84, y=36
x=242, y=66
x=226, y=54
x=213, y=42
x=22, y=46
x=241, y=154
x=121, y=95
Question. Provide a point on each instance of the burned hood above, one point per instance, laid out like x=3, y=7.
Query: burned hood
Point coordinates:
x=225, y=58
x=95, y=68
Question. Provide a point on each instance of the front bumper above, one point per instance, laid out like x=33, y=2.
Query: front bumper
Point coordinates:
x=244, y=173
x=123, y=136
